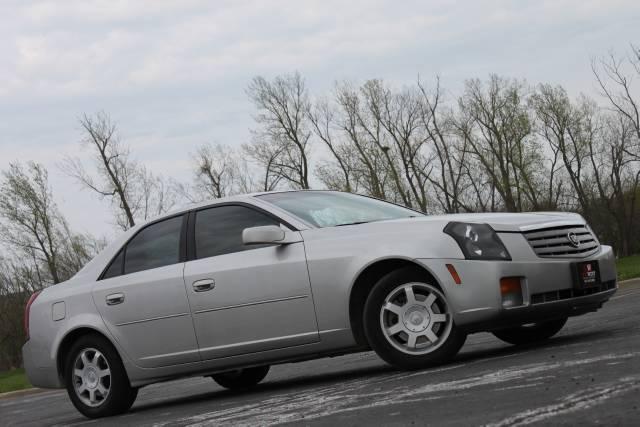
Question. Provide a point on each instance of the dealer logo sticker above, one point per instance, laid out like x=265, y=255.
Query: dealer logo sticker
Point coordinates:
x=588, y=273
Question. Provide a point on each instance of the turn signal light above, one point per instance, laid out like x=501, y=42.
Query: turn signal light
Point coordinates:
x=511, y=290
x=454, y=274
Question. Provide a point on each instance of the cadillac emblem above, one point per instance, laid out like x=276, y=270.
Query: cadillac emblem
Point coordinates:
x=573, y=239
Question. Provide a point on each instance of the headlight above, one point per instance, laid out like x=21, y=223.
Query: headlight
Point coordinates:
x=478, y=241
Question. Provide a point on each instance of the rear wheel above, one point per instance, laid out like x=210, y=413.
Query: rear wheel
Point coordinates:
x=241, y=379
x=96, y=381
x=409, y=323
x=531, y=333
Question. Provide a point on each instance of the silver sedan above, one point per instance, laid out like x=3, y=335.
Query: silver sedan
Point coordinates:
x=227, y=288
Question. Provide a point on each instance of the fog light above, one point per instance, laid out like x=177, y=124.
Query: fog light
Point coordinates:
x=511, y=290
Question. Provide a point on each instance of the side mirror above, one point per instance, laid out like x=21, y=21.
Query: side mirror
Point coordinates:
x=268, y=234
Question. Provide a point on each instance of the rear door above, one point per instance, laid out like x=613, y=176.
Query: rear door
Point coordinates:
x=246, y=299
x=142, y=298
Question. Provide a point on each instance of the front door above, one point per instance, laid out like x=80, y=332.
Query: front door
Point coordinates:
x=142, y=298
x=246, y=299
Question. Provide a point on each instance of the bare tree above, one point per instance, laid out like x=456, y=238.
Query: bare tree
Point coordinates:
x=283, y=128
x=616, y=175
x=115, y=170
x=400, y=116
x=496, y=124
x=450, y=178
x=77, y=251
x=213, y=170
x=134, y=192
x=616, y=160
x=368, y=166
x=322, y=118
x=220, y=172
x=268, y=156
x=375, y=97
x=154, y=194
x=615, y=77
x=568, y=129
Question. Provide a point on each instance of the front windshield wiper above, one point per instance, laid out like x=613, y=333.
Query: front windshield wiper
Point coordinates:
x=366, y=222
x=352, y=223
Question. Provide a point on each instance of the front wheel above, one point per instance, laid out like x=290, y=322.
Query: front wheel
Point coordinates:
x=409, y=323
x=533, y=332
x=95, y=378
x=241, y=379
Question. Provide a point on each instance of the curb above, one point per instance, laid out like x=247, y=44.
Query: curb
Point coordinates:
x=628, y=282
x=25, y=392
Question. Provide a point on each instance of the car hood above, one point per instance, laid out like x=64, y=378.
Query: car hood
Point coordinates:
x=513, y=222
x=500, y=222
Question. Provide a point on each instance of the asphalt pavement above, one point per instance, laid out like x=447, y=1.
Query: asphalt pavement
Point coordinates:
x=588, y=374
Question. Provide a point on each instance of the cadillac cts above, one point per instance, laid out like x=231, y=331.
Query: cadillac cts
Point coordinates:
x=227, y=288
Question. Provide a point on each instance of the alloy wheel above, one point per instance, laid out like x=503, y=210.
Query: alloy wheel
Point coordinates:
x=415, y=318
x=91, y=377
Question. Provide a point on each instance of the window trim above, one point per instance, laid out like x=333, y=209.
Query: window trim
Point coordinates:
x=182, y=250
x=191, y=236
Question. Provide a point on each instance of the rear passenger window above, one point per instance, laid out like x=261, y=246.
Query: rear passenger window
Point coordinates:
x=155, y=246
x=219, y=230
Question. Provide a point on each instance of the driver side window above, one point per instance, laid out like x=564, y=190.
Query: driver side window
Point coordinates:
x=218, y=230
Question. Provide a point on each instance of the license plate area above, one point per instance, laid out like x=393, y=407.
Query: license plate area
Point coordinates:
x=586, y=274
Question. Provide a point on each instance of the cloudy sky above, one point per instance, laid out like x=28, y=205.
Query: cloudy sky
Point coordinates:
x=173, y=73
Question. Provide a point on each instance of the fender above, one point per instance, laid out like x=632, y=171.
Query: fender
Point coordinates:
x=335, y=259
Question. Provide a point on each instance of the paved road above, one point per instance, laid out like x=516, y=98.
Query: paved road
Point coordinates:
x=588, y=374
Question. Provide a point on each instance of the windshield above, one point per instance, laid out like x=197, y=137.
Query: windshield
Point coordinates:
x=332, y=208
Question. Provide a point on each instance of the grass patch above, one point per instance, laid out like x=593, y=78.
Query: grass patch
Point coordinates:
x=13, y=380
x=628, y=267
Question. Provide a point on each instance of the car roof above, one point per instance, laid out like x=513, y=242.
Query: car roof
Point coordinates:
x=236, y=198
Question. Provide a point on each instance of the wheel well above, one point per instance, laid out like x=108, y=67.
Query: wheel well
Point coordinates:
x=365, y=282
x=66, y=344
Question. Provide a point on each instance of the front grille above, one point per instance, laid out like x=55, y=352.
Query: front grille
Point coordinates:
x=564, y=294
x=556, y=241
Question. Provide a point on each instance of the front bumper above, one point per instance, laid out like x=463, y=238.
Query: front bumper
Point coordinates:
x=547, y=288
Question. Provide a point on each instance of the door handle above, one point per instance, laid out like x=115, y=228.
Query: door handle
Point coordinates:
x=203, y=285
x=114, y=299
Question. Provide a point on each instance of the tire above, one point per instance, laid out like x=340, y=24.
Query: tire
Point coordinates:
x=535, y=332
x=241, y=379
x=410, y=329
x=93, y=391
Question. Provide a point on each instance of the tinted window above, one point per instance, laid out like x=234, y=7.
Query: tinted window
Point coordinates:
x=155, y=246
x=115, y=269
x=219, y=230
